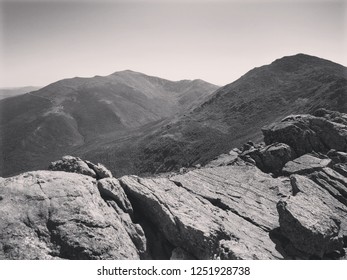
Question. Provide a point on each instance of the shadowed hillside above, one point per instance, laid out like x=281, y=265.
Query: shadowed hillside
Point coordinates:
x=41, y=125
x=236, y=112
x=10, y=92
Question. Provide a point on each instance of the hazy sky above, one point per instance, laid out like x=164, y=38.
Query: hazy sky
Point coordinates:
x=218, y=41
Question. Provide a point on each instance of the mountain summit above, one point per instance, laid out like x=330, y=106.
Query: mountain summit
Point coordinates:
x=37, y=126
x=236, y=112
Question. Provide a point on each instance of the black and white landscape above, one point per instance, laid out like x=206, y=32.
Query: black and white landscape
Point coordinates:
x=130, y=165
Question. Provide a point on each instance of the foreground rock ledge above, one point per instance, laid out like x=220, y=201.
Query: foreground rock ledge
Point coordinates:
x=206, y=227
x=59, y=215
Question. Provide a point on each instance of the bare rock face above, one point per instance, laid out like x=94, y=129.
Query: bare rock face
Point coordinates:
x=77, y=165
x=59, y=215
x=243, y=190
x=114, y=195
x=307, y=133
x=110, y=189
x=312, y=219
x=305, y=165
x=228, y=215
x=100, y=170
x=309, y=225
x=72, y=164
x=333, y=182
x=304, y=185
x=271, y=158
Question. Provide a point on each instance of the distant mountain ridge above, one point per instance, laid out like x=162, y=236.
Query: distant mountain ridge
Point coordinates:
x=13, y=91
x=71, y=112
x=139, y=124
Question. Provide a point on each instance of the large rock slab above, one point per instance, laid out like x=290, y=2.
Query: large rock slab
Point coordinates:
x=310, y=225
x=305, y=164
x=303, y=185
x=203, y=224
x=244, y=190
x=333, y=182
x=51, y=215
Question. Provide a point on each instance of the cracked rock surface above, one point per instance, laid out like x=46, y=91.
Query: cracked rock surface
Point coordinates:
x=212, y=220
x=53, y=215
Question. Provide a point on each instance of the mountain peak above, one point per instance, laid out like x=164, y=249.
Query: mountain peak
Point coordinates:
x=294, y=62
x=126, y=72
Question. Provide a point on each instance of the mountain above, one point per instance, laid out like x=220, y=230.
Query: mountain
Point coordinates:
x=236, y=112
x=10, y=92
x=41, y=125
x=138, y=124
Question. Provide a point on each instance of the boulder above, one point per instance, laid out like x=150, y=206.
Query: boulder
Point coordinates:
x=307, y=133
x=100, y=170
x=59, y=215
x=272, y=158
x=333, y=116
x=275, y=156
x=305, y=164
x=310, y=225
x=72, y=164
x=304, y=185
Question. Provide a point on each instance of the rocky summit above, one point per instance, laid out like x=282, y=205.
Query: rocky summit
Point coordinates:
x=282, y=199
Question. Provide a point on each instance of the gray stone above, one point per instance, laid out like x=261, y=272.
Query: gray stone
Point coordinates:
x=100, y=170
x=305, y=164
x=271, y=158
x=310, y=225
x=307, y=133
x=311, y=189
x=110, y=189
x=236, y=213
x=72, y=164
x=52, y=215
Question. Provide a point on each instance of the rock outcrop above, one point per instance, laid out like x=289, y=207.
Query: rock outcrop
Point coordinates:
x=307, y=133
x=305, y=164
x=271, y=158
x=212, y=212
x=77, y=165
x=286, y=199
x=59, y=215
